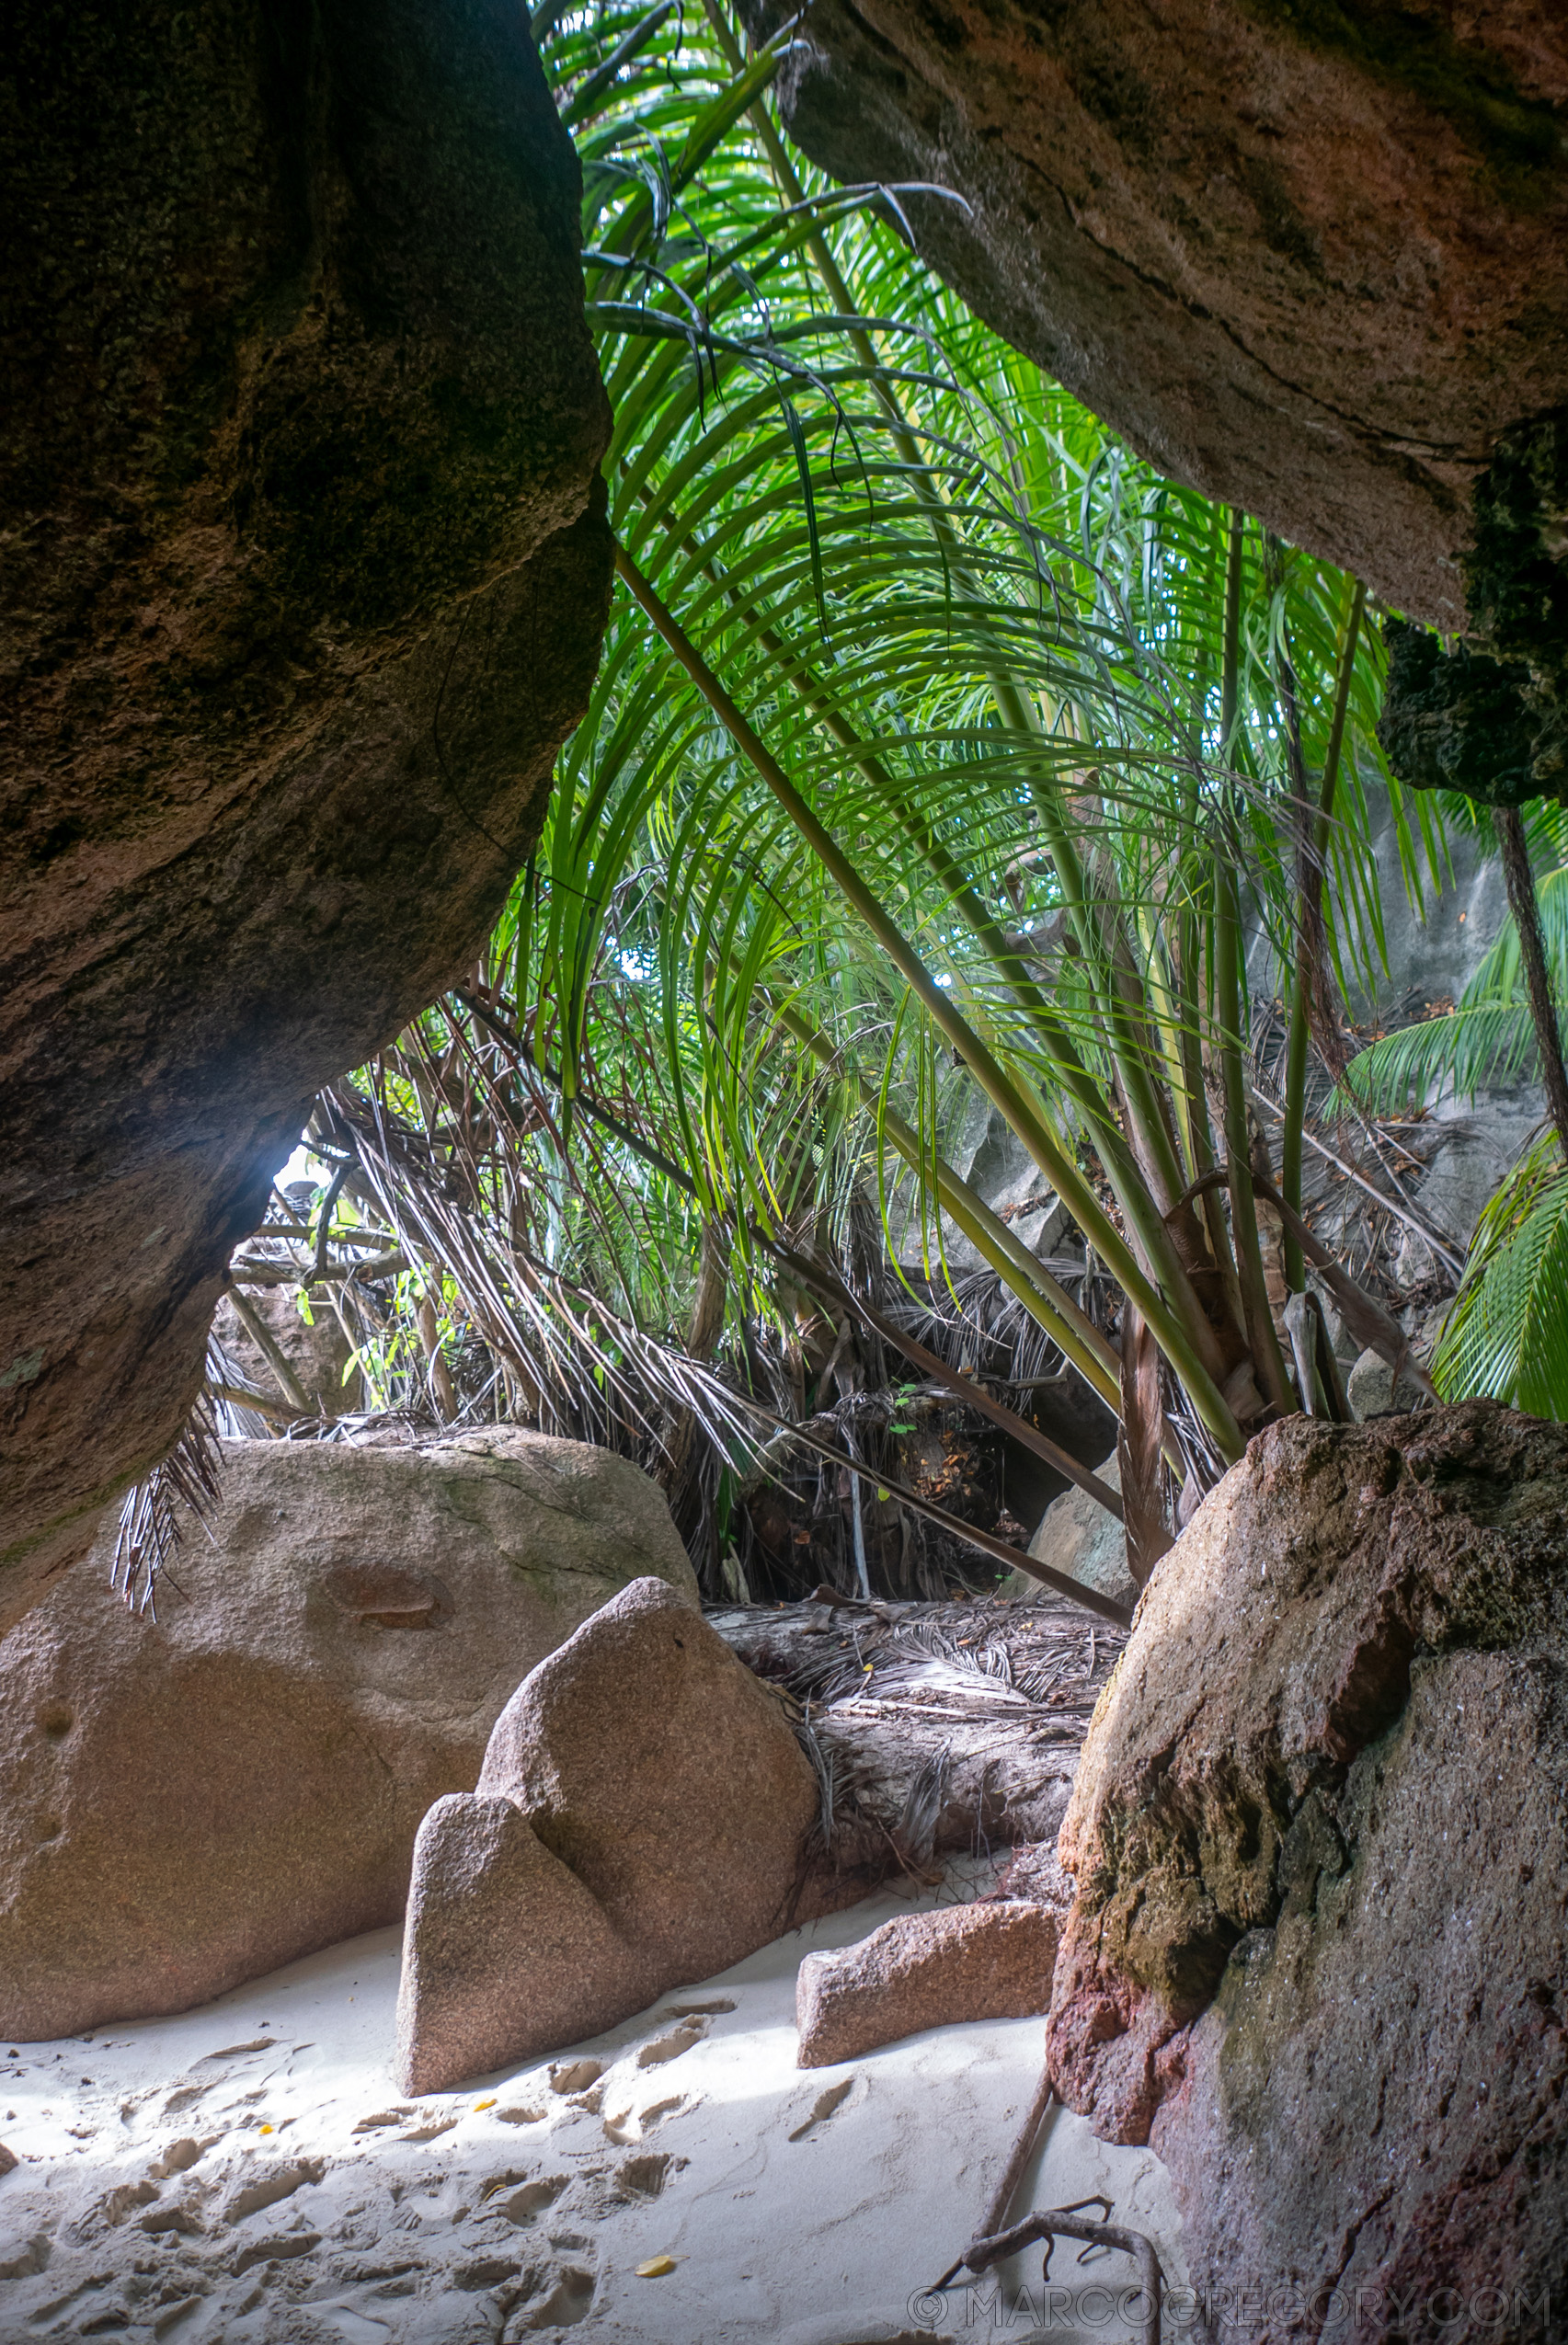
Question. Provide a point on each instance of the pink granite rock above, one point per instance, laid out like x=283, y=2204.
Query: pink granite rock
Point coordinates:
x=189, y=1801
x=640, y=1823
x=1320, y=1835
x=988, y=1961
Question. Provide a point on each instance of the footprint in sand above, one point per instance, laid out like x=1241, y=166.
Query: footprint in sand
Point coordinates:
x=670, y=2047
x=644, y=2178
x=185, y=2221
x=574, y=2076
x=565, y=2296
x=823, y=2107
x=182, y=2097
x=271, y=2190
x=532, y=2198
x=625, y=2126
x=172, y=2319
x=275, y=2250
x=124, y=2200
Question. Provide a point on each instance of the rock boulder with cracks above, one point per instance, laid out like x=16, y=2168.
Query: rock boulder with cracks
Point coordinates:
x=306, y=570
x=1320, y=1834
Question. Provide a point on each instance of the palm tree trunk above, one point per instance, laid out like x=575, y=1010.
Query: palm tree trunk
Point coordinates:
x=1309, y=940
x=1532, y=952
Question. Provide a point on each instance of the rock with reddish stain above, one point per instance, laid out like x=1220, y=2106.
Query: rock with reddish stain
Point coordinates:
x=1320, y=1834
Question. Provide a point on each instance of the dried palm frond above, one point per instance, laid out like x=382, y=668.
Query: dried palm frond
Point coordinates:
x=183, y=1487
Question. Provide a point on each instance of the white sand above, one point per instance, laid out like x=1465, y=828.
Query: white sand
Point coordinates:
x=808, y=2207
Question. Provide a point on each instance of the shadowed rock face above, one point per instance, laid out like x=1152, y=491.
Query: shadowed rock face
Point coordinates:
x=305, y=576
x=1312, y=259
x=1318, y=1949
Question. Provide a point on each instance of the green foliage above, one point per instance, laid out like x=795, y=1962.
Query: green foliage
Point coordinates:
x=1486, y=1039
x=934, y=743
x=1507, y=1332
x=984, y=643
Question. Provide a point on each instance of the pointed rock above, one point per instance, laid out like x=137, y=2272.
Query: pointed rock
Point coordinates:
x=639, y=1823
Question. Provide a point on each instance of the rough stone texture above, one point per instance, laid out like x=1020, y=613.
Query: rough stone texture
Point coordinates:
x=1313, y=259
x=986, y=1962
x=1077, y=1536
x=1455, y=719
x=305, y=570
x=639, y=1823
x=1496, y=728
x=189, y=1801
x=318, y=1352
x=1320, y=1834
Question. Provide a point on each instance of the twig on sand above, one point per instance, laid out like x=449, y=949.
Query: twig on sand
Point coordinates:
x=1066, y=2223
x=1001, y=2197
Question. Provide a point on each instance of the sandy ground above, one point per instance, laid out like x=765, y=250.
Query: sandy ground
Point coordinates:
x=248, y=2173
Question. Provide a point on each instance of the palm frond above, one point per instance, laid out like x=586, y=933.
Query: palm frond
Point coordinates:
x=1477, y=1045
x=182, y=1489
x=1507, y=1332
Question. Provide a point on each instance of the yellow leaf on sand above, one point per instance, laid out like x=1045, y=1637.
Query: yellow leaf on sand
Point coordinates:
x=483, y=2104
x=655, y=2267
x=267, y=2128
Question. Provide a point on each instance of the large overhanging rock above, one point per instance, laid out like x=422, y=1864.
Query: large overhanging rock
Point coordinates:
x=192, y=1800
x=1319, y=1832
x=1313, y=261
x=306, y=572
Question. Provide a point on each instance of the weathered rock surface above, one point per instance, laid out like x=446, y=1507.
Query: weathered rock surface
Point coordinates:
x=306, y=573
x=190, y=1802
x=1320, y=1834
x=984, y=1962
x=1313, y=261
x=640, y=1822
x=1077, y=1536
x=317, y=1351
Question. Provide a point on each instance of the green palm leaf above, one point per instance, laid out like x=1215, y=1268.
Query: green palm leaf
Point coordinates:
x=1507, y=1332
